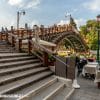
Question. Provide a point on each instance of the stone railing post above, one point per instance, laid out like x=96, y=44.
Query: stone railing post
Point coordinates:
x=29, y=44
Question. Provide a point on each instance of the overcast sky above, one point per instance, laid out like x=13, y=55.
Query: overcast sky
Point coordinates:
x=47, y=12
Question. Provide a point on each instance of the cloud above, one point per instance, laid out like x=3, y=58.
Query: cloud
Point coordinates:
x=79, y=22
x=62, y=22
x=15, y=2
x=33, y=3
x=24, y=3
x=93, y=5
x=7, y=23
x=34, y=22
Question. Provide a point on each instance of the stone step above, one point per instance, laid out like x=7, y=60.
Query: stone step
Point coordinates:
x=26, y=91
x=19, y=68
x=63, y=94
x=55, y=91
x=2, y=43
x=4, y=60
x=16, y=85
x=7, y=48
x=14, y=55
x=15, y=76
x=40, y=86
x=9, y=97
x=41, y=92
x=7, y=51
x=5, y=45
x=18, y=63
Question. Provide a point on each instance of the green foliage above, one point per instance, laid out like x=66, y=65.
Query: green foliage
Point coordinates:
x=91, y=23
x=67, y=44
x=51, y=58
x=89, y=32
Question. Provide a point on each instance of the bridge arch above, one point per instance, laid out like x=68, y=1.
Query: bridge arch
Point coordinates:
x=73, y=38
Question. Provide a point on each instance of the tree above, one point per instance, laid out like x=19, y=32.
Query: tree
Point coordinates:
x=83, y=30
x=89, y=32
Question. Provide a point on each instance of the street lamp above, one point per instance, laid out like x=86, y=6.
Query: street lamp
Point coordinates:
x=98, y=29
x=19, y=13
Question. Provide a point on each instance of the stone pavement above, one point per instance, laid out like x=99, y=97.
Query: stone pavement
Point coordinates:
x=88, y=90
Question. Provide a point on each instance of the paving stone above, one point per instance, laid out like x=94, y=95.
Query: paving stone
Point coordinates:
x=87, y=91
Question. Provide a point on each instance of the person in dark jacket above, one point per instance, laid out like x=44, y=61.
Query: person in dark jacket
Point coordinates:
x=80, y=64
x=77, y=65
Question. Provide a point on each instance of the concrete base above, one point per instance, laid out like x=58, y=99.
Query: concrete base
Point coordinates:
x=52, y=68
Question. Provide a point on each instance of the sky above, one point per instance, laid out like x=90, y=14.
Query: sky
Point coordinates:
x=47, y=12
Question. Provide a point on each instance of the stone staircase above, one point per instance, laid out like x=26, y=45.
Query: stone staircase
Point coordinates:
x=23, y=77
x=6, y=47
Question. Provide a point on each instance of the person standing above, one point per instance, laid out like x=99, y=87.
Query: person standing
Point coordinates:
x=78, y=65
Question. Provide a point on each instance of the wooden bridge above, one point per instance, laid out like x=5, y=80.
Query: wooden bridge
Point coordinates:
x=53, y=34
x=33, y=65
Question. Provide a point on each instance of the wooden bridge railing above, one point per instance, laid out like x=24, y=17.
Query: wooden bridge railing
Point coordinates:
x=21, y=34
x=42, y=31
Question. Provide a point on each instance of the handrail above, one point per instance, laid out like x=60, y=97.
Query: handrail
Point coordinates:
x=48, y=51
x=13, y=35
x=16, y=37
x=38, y=56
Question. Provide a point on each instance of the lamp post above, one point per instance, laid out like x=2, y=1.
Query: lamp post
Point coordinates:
x=98, y=35
x=19, y=13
